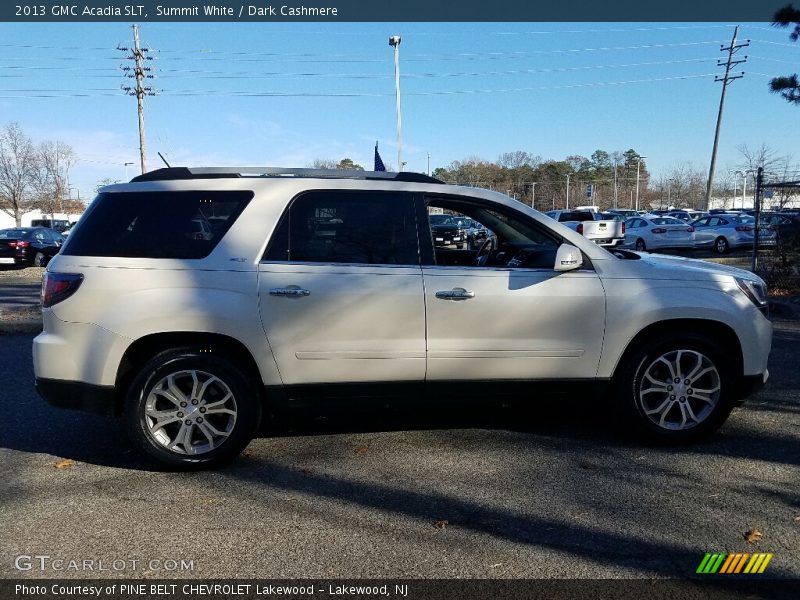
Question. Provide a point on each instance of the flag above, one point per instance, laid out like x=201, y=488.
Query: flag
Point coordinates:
x=379, y=166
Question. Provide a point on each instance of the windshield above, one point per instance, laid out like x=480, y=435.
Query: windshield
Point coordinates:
x=441, y=220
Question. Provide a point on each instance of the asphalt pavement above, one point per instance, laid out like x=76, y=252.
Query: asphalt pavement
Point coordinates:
x=531, y=489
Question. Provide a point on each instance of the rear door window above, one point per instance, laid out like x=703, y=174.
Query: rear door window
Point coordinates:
x=347, y=227
x=182, y=225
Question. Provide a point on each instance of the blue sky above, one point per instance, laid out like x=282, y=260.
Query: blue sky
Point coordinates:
x=468, y=89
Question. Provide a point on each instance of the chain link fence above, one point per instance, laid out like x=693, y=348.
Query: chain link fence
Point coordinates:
x=776, y=257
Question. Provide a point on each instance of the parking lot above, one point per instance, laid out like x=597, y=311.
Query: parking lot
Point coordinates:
x=530, y=489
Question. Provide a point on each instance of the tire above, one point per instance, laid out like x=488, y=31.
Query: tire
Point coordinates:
x=460, y=246
x=640, y=245
x=198, y=380
x=670, y=418
x=721, y=245
x=40, y=260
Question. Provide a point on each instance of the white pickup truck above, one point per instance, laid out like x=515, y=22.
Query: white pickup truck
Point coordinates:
x=608, y=233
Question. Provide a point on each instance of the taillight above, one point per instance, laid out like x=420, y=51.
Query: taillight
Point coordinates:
x=21, y=244
x=623, y=229
x=658, y=230
x=59, y=286
x=744, y=228
x=580, y=228
x=690, y=230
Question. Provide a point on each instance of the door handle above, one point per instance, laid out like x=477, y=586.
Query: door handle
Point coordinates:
x=456, y=294
x=291, y=292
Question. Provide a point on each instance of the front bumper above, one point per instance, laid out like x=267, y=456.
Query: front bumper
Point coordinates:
x=749, y=385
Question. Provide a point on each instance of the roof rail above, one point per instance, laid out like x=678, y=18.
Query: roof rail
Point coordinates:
x=172, y=173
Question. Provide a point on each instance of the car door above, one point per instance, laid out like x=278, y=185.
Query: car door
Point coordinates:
x=512, y=321
x=340, y=290
x=632, y=229
x=53, y=243
x=703, y=234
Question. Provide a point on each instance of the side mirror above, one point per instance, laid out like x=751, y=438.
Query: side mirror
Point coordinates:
x=568, y=258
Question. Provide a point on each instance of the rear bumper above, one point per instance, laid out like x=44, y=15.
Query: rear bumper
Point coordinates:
x=609, y=243
x=75, y=395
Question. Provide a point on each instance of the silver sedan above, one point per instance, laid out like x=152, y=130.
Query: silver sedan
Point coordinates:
x=652, y=232
x=724, y=232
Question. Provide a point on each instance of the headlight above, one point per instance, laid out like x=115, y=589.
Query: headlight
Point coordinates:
x=755, y=290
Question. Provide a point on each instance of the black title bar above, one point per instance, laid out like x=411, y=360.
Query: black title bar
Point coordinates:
x=385, y=11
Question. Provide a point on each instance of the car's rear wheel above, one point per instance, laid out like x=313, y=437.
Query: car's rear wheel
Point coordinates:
x=721, y=245
x=39, y=260
x=189, y=409
x=640, y=245
x=675, y=388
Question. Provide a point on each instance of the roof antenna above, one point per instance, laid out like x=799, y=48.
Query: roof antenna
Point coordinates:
x=164, y=159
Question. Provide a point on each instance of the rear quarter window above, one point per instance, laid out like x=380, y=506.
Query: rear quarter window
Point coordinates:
x=183, y=225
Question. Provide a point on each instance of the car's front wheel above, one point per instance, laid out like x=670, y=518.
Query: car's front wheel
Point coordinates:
x=190, y=409
x=676, y=388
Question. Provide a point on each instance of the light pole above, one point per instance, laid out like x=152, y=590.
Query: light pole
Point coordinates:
x=735, y=182
x=669, y=193
x=533, y=193
x=394, y=42
x=126, y=165
x=638, y=164
x=429, y=164
x=567, y=191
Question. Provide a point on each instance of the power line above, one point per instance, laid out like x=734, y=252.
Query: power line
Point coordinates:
x=223, y=93
x=204, y=74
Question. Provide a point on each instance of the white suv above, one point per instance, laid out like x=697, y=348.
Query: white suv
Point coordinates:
x=193, y=301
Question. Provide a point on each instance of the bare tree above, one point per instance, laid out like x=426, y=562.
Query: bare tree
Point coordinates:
x=686, y=186
x=51, y=178
x=517, y=159
x=762, y=156
x=323, y=163
x=18, y=164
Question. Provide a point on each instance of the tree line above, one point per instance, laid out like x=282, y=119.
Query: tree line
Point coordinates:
x=544, y=184
x=34, y=176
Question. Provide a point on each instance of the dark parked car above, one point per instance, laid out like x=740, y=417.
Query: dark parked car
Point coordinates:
x=787, y=228
x=31, y=246
x=446, y=230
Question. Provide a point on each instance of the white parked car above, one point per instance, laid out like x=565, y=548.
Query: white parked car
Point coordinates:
x=653, y=232
x=317, y=284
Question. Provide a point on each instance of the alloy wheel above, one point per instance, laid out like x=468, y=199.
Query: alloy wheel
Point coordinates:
x=679, y=389
x=190, y=412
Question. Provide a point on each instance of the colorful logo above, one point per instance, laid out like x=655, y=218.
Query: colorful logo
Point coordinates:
x=727, y=564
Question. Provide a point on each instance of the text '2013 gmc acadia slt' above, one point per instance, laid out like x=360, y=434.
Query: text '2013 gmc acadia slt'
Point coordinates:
x=191, y=301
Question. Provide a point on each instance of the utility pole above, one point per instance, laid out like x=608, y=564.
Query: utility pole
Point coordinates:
x=568, y=191
x=140, y=73
x=725, y=79
x=533, y=193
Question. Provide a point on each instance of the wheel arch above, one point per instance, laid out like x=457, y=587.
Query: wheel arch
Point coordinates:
x=146, y=347
x=716, y=331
